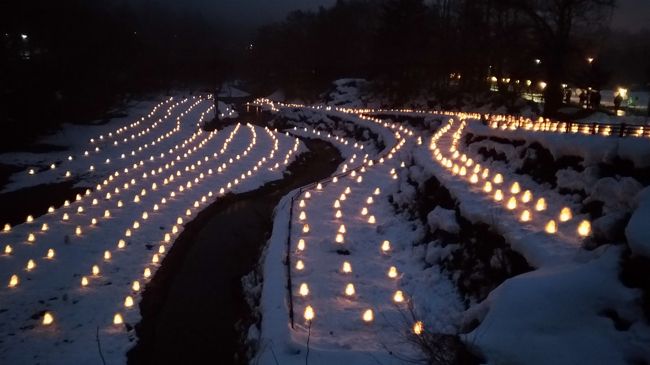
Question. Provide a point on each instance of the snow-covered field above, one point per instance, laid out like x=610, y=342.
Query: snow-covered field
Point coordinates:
x=74, y=275
x=368, y=281
x=351, y=252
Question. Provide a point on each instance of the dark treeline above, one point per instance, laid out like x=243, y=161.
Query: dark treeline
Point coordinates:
x=71, y=60
x=443, y=46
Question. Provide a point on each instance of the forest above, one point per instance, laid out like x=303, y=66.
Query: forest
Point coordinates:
x=78, y=59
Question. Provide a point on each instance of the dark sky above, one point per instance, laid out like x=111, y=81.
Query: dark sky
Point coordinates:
x=630, y=15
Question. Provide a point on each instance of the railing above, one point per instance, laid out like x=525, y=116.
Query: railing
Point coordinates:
x=604, y=129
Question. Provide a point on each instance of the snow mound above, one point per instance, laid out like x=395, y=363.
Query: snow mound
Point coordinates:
x=565, y=313
x=443, y=219
x=637, y=232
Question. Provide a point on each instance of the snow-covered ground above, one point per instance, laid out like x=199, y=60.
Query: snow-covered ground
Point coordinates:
x=565, y=311
x=351, y=257
x=75, y=274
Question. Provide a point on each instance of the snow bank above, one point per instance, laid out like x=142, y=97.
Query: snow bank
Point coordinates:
x=592, y=148
x=638, y=230
x=560, y=316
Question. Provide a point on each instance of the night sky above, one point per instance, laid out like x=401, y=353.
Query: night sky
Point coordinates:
x=630, y=15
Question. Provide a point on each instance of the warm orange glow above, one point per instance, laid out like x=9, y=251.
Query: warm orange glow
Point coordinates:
x=385, y=246
x=349, y=290
x=368, y=316
x=398, y=297
x=515, y=188
x=48, y=319
x=527, y=196
x=565, y=214
x=347, y=268
x=339, y=238
x=301, y=245
x=551, y=227
x=525, y=216
x=392, y=272
x=300, y=265
x=584, y=229
x=498, y=179
x=84, y=281
x=13, y=281
x=304, y=290
x=128, y=301
x=117, y=319
x=540, y=205
x=487, y=187
x=30, y=265
x=498, y=195
x=309, y=313
x=512, y=203
x=418, y=328
x=136, y=286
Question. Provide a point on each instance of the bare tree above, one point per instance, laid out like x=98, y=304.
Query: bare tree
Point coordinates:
x=555, y=25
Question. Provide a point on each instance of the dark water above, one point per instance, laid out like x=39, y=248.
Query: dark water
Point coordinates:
x=191, y=307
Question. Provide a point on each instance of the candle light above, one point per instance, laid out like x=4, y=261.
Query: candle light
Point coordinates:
x=525, y=216
x=385, y=246
x=584, y=229
x=48, y=319
x=301, y=245
x=392, y=272
x=368, y=316
x=50, y=253
x=95, y=270
x=135, y=286
x=347, y=268
x=515, y=188
x=304, y=290
x=128, y=301
x=418, y=328
x=117, y=319
x=565, y=214
x=84, y=281
x=300, y=265
x=349, y=290
x=498, y=195
x=13, y=281
x=540, y=205
x=309, y=313
x=398, y=297
x=551, y=227
x=512, y=203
